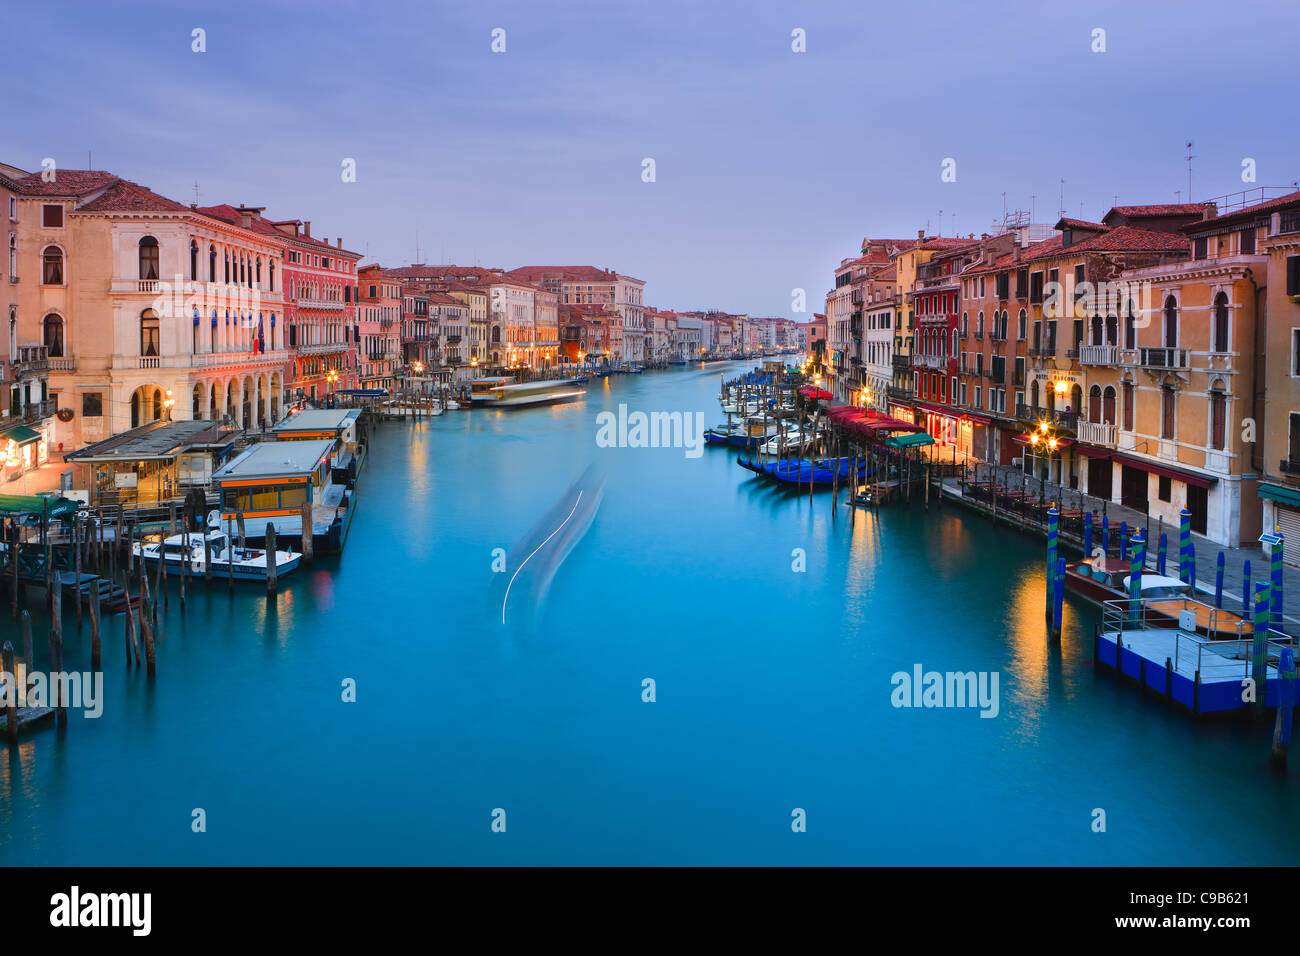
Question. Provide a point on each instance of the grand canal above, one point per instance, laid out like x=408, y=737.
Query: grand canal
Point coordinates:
x=772, y=688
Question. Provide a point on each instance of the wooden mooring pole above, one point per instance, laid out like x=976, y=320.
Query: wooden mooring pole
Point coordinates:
x=56, y=652
x=11, y=692
x=95, y=644
x=270, y=559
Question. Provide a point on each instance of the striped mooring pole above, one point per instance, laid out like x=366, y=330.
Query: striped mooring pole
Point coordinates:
x=1105, y=534
x=1087, y=534
x=1184, y=545
x=1164, y=549
x=1287, y=687
x=1259, y=646
x=1053, y=532
x=1245, y=590
x=1135, y=580
x=1123, y=540
x=1218, y=582
x=1275, y=612
x=1058, y=597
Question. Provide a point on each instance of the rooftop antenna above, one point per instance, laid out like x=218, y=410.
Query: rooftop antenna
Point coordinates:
x=1062, y=200
x=1178, y=195
x=1033, y=206
x=1190, y=157
x=196, y=192
x=940, y=226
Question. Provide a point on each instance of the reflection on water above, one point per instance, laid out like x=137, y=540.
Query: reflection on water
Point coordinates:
x=773, y=686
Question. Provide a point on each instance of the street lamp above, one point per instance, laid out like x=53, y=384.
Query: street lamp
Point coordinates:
x=167, y=405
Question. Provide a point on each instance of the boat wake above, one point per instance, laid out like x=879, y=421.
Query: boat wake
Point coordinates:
x=531, y=564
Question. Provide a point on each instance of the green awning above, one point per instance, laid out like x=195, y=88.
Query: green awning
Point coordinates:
x=20, y=434
x=35, y=506
x=1281, y=494
x=915, y=440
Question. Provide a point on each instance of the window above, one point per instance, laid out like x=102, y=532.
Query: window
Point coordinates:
x=1295, y=352
x=963, y=393
x=1199, y=249
x=1248, y=241
x=1166, y=413
x=52, y=265
x=52, y=216
x=1221, y=322
x=979, y=398
x=13, y=209
x=92, y=405
x=1094, y=404
x=1130, y=327
x=149, y=332
x=1108, y=405
x=1128, y=406
x=1166, y=490
x=952, y=387
x=1171, y=322
x=1020, y=326
x=148, y=258
x=1020, y=371
x=52, y=335
x=1292, y=275
x=1218, y=420
x=194, y=261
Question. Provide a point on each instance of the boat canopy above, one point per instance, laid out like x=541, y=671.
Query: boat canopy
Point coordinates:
x=1152, y=581
x=35, y=505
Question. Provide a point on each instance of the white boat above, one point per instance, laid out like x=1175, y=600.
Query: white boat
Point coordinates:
x=247, y=564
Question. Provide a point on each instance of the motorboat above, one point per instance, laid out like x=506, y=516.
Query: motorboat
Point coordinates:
x=246, y=564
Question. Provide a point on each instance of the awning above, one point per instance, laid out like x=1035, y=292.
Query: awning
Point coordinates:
x=20, y=435
x=817, y=394
x=1281, y=494
x=937, y=410
x=909, y=441
x=1167, y=471
x=977, y=419
x=1093, y=451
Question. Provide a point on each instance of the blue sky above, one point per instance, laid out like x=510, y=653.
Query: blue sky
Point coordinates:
x=771, y=165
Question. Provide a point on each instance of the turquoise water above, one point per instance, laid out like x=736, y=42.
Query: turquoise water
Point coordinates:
x=772, y=688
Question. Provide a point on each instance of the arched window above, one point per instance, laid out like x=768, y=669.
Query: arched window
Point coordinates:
x=979, y=323
x=1033, y=394
x=1128, y=405
x=13, y=256
x=1020, y=325
x=52, y=335
x=1094, y=404
x=148, y=258
x=1220, y=325
x=1218, y=416
x=52, y=266
x=1130, y=326
x=965, y=326
x=954, y=341
x=1097, y=331
x=227, y=254
x=1112, y=329
x=1108, y=405
x=259, y=272
x=194, y=261
x=212, y=263
x=149, y=344
x=270, y=286
x=1171, y=323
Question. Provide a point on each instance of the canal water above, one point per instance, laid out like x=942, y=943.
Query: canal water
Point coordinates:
x=772, y=687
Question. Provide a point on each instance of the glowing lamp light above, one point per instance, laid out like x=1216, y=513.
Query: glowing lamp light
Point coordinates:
x=1051, y=443
x=1034, y=439
x=1042, y=428
x=1061, y=386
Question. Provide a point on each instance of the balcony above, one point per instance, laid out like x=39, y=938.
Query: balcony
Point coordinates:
x=902, y=361
x=1030, y=413
x=856, y=297
x=22, y=414
x=63, y=364
x=898, y=393
x=31, y=359
x=1160, y=358
x=323, y=348
x=1097, y=433
x=1098, y=355
x=306, y=303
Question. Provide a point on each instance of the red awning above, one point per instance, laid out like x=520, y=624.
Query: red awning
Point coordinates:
x=978, y=419
x=937, y=410
x=1092, y=451
x=815, y=393
x=867, y=421
x=1168, y=471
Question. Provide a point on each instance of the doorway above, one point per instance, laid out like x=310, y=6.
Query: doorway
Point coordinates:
x=1133, y=488
x=1100, y=478
x=1198, y=503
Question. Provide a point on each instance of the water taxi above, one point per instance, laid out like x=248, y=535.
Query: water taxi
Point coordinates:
x=1165, y=598
x=246, y=564
x=536, y=393
x=483, y=390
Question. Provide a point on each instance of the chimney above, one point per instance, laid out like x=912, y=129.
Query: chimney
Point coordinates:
x=306, y=228
x=338, y=243
x=1015, y=251
x=245, y=217
x=1210, y=210
x=920, y=235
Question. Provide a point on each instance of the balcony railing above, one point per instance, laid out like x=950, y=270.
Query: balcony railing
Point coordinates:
x=902, y=361
x=1031, y=413
x=63, y=364
x=1162, y=358
x=898, y=393
x=1098, y=355
x=30, y=412
x=1097, y=433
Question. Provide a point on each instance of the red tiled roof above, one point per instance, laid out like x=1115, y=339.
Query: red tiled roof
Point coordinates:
x=1281, y=202
x=67, y=182
x=565, y=273
x=229, y=214
x=132, y=197
x=1167, y=209
x=1081, y=224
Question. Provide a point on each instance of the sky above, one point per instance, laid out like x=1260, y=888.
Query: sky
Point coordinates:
x=770, y=165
